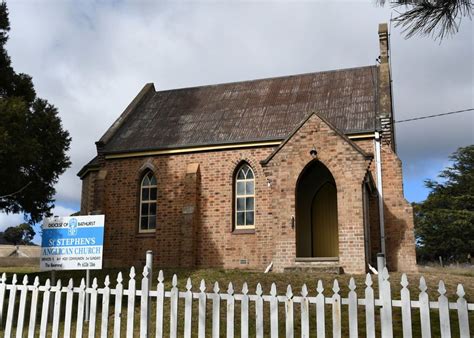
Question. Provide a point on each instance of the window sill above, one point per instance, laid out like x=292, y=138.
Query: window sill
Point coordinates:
x=146, y=234
x=243, y=231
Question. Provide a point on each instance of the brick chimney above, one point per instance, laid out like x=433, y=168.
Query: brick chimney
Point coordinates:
x=385, y=114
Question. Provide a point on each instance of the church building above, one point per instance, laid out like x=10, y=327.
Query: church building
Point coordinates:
x=300, y=171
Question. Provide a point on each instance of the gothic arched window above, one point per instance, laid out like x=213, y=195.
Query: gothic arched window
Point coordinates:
x=148, y=191
x=244, y=217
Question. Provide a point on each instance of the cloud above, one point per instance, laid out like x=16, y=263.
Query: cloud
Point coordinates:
x=10, y=220
x=91, y=58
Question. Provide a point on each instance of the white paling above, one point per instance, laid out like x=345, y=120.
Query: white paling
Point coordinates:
x=118, y=305
x=445, y=328
x=202, y=310
x=33, y=307
x=386, y=310
x=369, y=308
x=144, y=304
x=259, y=311
x=462, y=312
x=80, y=308
x=273, y=311
x=230, y=311
x=244, y=312
x=304, y=312
x=353, y=328
x=289, y=312
x=424, y=310
x=336, y=311
x=21, y=310
x=160, y=298
x=57, y=309
x=45, y=309
x=11, y=307
x=320, y=319
x=188, y=310
x=104, y=325
x=406, y=307
x=3, y=288
x=93, y=309
x=216, y=310
x=174, y=307
x=131, y=302
x=68, y=309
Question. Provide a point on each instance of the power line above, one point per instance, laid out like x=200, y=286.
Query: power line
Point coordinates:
x=436, y=115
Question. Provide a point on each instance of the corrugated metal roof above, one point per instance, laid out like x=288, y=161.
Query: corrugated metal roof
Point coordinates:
x=266, y=109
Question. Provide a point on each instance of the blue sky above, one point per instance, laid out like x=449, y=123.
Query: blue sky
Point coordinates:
x=90, y=59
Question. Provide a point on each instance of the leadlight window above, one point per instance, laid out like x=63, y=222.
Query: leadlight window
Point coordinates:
x=245, y=198
x=148, y=191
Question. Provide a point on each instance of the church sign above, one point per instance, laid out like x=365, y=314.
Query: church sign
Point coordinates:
x=72, y=243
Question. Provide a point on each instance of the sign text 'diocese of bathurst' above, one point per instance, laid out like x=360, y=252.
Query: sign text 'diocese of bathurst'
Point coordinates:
x=72, y=243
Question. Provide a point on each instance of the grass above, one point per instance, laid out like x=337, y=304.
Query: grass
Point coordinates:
x=451, y=276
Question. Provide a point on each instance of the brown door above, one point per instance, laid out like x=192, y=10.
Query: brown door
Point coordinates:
x=324, y=222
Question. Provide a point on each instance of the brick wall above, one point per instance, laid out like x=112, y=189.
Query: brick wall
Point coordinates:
x=215, y=242
x=348, y=167
x=398, y=213
x=195, y=205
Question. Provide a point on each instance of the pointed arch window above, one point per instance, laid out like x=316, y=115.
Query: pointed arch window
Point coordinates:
x=244, y=198
x=148, y=192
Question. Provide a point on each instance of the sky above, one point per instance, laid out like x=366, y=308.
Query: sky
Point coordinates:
x=91, y=58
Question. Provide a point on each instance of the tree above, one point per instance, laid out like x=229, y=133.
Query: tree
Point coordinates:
x=438, y=18
x=444, y=222
x=33, y=143
x=21, y=234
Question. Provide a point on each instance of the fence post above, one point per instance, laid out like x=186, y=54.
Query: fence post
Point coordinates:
x=149, y=265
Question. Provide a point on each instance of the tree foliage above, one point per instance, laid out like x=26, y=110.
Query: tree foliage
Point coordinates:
x=438, y=18
x=33, y=143
x=444, y=222
x=21, y=234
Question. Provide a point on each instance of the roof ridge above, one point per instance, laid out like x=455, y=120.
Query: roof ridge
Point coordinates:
x=264, y=79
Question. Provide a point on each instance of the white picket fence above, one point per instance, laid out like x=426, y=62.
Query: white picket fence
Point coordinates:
x=113, y=306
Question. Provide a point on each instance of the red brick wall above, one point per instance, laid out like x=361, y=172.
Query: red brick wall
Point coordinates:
x=210, y=189
x=216, y=244
x=347, y=165
x=398, y=213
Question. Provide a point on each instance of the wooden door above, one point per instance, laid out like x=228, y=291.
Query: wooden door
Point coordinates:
x=324, y=222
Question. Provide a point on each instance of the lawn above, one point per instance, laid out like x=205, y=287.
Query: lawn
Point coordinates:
x=451, y=276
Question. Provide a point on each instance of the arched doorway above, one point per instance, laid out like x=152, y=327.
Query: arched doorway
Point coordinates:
x=316, y=213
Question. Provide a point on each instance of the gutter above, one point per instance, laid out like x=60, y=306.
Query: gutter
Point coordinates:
x=378, y=164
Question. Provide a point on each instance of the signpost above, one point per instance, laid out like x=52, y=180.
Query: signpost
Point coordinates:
x=73, y=243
